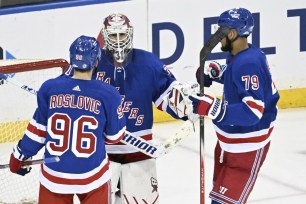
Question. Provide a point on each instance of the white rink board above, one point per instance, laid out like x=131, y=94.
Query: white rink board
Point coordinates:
x=49, y=33
x=276, y=30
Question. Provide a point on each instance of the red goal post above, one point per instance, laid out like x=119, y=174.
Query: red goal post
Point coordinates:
x=15, y=66
x=16, y=109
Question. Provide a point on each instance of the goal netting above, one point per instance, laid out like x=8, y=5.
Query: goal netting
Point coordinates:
x=17, y=107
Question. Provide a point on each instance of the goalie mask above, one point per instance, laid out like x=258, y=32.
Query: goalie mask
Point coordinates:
x=84, y=53
x=117, y=34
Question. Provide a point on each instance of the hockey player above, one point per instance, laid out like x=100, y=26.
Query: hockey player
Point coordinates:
x=74, y=119
x=245, y=117
x=141, y=78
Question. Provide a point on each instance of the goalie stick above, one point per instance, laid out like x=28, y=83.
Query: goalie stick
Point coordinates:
x=34, y=162
x=205, y=51
x=158, y=150
x=146, y=147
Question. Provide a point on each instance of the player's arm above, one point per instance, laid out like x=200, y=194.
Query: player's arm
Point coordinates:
x=178, y=98
x=115, y=124
x=250, y=100
x=33, y=139
x=163, y=81
x=171, y=96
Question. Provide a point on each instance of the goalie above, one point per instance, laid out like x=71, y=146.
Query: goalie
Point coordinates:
x=141, y=79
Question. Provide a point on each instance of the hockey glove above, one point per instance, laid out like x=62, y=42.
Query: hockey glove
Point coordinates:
x=208, y=106
x=178, y=98
x=16, y=162
x=207, y=80
x=213, y=71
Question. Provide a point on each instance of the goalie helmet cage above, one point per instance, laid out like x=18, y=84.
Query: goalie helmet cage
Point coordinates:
x=17, y=108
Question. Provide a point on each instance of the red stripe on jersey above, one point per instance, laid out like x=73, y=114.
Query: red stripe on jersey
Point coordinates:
x=83, y=181
x=33, y=129
x=145, y=137
x=252, y=104
x=108, y=141
x=256, y=139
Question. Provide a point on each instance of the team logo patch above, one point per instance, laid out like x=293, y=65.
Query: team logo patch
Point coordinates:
x=79, y=57
x=76, y=88
x=154, y=184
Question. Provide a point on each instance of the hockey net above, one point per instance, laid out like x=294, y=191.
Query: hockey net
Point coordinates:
x=17, y=108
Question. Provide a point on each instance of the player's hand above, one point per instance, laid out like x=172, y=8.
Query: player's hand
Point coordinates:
x=16, y=161
x=207, y=80
x=178, y=100
x=214, y=70
x=208, y=106
x=177, y=103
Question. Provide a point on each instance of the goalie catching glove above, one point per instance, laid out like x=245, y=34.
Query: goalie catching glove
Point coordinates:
x=16, y=162
x=208, y=106
x=178, y=101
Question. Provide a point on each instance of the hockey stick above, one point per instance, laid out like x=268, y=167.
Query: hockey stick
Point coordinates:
x=19, y=84
x=205, y=51
x=158, y=150
x=34, y=162
x=146, y=147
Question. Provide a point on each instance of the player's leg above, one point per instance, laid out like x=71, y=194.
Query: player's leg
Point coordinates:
x=139, y=182
x=218, y=168
x=46, y=197
x=235, y=177
x=101, y=195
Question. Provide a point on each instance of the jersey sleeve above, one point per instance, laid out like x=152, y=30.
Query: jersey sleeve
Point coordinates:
x=249, y=106
x=35, y=134
x=115, y=120
x=164, y=81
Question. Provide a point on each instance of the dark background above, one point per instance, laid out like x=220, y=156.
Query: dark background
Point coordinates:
x=14, y=3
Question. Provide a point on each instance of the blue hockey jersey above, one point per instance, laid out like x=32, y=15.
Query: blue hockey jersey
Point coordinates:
x=144, y=80
x=73, y=120
x=250, y=98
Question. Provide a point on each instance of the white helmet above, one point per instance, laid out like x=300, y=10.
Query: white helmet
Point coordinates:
x=117, y=34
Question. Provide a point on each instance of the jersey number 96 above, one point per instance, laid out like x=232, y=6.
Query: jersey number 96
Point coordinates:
x=83, y=142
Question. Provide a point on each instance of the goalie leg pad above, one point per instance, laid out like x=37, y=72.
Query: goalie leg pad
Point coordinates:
x=115, y=177
x=139, y=182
